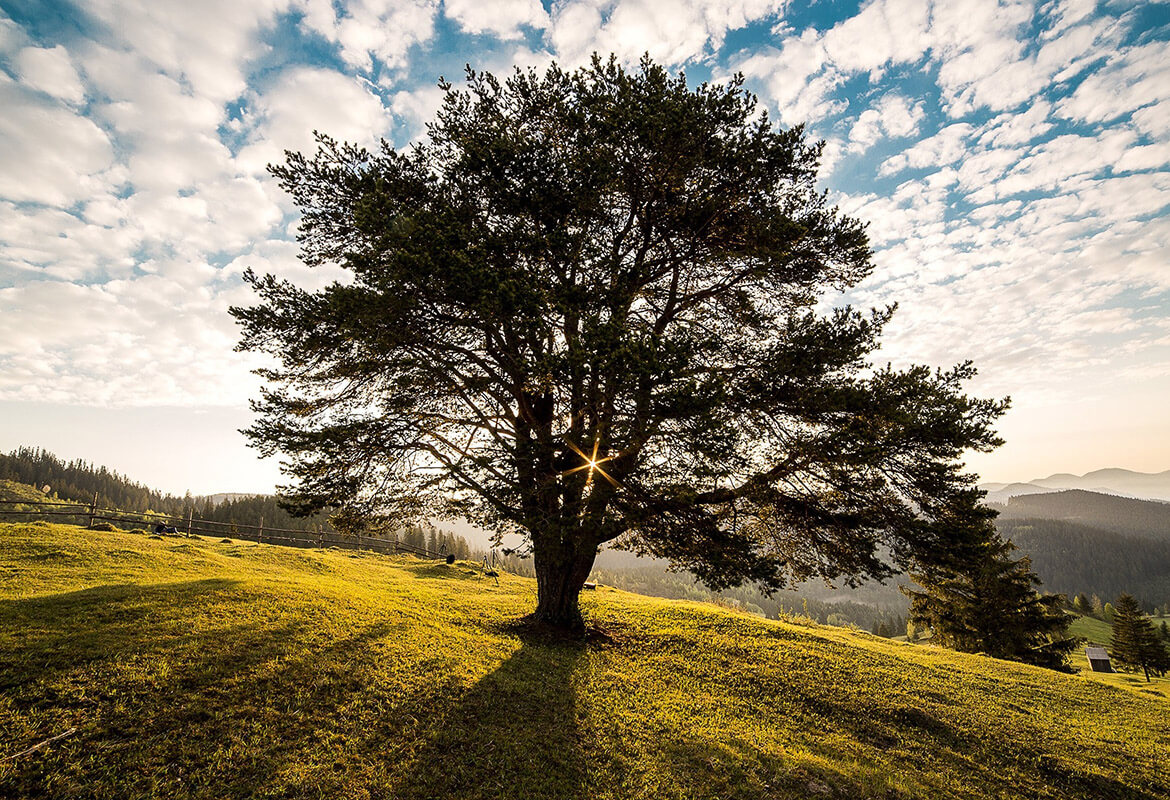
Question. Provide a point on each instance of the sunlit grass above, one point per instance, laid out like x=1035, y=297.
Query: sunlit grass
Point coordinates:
x=195, y=668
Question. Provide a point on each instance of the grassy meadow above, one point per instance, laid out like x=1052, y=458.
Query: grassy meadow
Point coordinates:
x=220, y=669
x=1099, y=632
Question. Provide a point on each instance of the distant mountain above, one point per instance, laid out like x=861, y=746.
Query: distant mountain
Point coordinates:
x=1090, y=542
x=1005, y=491
x=1142, y=485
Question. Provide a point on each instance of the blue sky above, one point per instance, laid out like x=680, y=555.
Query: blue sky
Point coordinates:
x=1013, y=160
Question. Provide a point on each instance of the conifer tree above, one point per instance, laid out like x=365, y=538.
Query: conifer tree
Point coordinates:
x=985, y=601
x=586, y=309
x=1134, y=644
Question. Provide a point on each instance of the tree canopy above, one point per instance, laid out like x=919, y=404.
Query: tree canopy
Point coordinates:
x=979, y=599
x=593, y=307
x=1135, y=643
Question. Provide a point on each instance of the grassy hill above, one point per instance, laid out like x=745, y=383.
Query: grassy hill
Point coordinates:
x=208, y=668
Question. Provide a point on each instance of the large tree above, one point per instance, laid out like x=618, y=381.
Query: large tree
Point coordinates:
x=589, y=308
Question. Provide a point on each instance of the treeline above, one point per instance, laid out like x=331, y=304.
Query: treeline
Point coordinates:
x=256, y=510
x=1073, y=558
x=78, y=481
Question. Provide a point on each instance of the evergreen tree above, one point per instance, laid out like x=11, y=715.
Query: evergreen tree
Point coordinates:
x=588, y=307
x=985, y=601
x=1165, y=631
x=1134, y=644
x=1108, y=613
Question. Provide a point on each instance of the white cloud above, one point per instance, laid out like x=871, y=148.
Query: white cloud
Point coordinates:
x=672, y=32
x=50, y=154
x=202, y=44
x=892, y=116
x=368, y=29
x=790, y=78
x=945, y=147
x=49, y=70
x=305, y=99
x=1135, y=79
x=884, y=32
x=503, y=18
x=168, y=344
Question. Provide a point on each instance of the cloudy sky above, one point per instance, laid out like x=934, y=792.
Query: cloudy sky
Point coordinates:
x=1013, y=161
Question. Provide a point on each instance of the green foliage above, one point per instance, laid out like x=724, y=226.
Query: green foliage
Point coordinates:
x=1135, y=643
x=1083, y=605
x=585, y=309
x=199, y=669
x=1074, y=557
x=911, y=631
x=1108, y=613
x=985, y=601
x=78, y=481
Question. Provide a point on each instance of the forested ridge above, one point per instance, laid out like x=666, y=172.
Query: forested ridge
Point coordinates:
x=1073, y=558
x=1148, y=519
x=79, y=481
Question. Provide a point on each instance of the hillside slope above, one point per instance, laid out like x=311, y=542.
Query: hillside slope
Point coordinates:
x=1145, y=518
x=1074, y=558
x=224, y=669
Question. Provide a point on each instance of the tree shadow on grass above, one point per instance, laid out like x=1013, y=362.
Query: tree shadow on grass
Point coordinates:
x=516, y=733
x=164, y=707
x=59, y=632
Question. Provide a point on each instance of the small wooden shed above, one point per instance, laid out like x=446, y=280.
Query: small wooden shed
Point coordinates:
x=1098, y=659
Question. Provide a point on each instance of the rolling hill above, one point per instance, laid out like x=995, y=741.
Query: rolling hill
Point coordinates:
x=1095, y=543
x=1141, y=485
x=1141, y=518
x=208, y=668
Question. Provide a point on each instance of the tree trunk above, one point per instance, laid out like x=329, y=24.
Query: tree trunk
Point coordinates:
x=560, y=574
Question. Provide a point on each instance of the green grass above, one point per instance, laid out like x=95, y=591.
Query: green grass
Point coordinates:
x=223, y=670
x=11, y=490
x=1092, y=630
x=1099, y=632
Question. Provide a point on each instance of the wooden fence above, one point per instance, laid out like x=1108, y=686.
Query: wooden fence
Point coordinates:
x=90, y=514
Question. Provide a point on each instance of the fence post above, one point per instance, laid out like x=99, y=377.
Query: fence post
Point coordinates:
x=260, y=533
x=190, y=513
x=93, y=510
